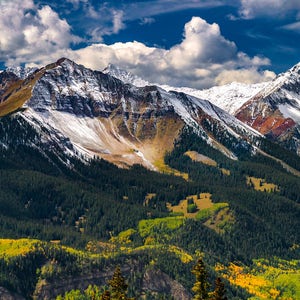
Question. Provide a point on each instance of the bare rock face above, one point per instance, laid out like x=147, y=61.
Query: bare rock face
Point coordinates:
x=49, y=290
x=157, y=282
x=275, y=110
x=153, y=281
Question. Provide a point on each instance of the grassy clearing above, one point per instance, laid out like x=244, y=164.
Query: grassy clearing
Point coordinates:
x=259, y=184
x=221, y=219
x=148, y=197
x=225, y=171
x=201, y=201
x=207, y=213
x=195, y=156
x=216, y=216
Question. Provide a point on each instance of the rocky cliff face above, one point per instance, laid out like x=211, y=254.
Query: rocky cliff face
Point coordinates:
x=157, y=282
x=153, y=281
x=275, y=110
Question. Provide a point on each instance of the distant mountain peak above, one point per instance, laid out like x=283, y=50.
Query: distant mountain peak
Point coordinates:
x=125, y=76
x=64, y=60
x=21, y=72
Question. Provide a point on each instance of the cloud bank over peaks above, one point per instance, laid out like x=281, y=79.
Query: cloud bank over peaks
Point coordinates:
x=36, y=35
x=204, y=58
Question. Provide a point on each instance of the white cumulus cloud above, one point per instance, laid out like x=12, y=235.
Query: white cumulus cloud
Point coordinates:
x=31, y=33
x=202, y=59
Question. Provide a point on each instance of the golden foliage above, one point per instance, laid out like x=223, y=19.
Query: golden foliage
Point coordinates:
x=259, y=184
x=275, y=279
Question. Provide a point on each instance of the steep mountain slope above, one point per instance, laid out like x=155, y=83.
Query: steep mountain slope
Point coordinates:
x=275, y=110
x=229, y=97
x=272, y=108
x=89, y=113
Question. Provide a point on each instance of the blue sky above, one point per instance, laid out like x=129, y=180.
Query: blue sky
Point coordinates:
x=196, y=43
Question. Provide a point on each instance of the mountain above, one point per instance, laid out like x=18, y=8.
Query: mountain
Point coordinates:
x=229, y=97
x=88, y=113
x=275, y=110
x=271, y=108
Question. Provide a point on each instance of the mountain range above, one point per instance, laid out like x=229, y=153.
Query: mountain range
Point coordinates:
x=89, y=113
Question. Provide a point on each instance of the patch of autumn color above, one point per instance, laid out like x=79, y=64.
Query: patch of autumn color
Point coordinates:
x=184, y=256
x=11, y=248
x=124, y=237
x=164, y=168
x=237, y=275
x=266, y=279
x=259, y=184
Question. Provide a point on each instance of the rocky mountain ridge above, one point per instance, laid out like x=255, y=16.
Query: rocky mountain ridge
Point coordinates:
x=88, y=113
x=272, y=108
x=275, y=110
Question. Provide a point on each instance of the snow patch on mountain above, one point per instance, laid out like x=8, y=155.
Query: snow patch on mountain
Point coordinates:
x=289, y=111
x=89, y=136
x=229, y=97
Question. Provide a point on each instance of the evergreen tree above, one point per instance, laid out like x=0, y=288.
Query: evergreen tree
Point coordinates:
x=201, y=285
x=118, y=285
x=219, y=292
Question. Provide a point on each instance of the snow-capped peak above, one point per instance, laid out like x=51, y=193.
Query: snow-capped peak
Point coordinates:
x=125, y=76
x=229, y=97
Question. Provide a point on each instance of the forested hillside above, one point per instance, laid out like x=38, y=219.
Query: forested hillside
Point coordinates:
x=124, y=217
